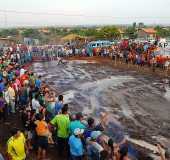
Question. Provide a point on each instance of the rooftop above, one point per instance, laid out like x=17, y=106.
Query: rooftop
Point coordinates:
x=149, y=30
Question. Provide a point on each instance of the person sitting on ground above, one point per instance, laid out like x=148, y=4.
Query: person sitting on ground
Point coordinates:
x=77, y=123
x=76, y=145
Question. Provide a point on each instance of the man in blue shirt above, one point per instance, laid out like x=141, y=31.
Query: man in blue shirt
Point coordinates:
x=38, y=82
x=76, y=145
x=2, y=86
x=59, y=104
x=10, y=75
x=77, y=123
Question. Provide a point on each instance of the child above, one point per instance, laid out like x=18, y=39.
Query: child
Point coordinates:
x=42, y=129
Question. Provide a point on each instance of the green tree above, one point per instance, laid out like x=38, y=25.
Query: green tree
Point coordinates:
x=109, y=32
x=134, y=25
x=131, y=32
x=8, y=32
x=33, y=33
x=162, y=32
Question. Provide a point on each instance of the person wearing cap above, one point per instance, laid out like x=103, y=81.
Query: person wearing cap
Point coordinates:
x=93, y=148
x=76, y=145
x=77, y=123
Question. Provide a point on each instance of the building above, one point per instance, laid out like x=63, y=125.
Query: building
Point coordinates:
x=146, y=33
x=44, y=30
x=31, y=41
x=141, y=25
x=122, y=33
x=6, y=41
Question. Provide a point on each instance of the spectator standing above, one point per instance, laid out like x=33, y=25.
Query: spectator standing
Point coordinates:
x=62, y=123
x=76, y=145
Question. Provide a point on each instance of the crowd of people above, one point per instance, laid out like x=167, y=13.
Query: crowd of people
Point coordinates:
x=47, y=120
x=141, y=54
x=52, y=52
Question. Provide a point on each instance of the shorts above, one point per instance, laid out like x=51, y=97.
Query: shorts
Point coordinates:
x=43, y=142
x=30, y=135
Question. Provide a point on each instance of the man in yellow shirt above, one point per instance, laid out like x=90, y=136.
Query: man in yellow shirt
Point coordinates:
x=16, y=145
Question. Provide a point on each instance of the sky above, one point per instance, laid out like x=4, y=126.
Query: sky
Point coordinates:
x=82, y=12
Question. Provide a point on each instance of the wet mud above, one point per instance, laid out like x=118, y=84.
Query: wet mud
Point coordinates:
x=139, y=105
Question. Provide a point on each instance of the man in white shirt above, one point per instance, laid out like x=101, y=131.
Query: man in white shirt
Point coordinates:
x=12, y=95
x=35, y=104
x=22, y=71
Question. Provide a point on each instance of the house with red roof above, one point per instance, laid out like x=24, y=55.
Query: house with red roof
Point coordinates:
x=146, y=33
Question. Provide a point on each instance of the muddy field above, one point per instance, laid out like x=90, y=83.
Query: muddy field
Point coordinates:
x=139, y=105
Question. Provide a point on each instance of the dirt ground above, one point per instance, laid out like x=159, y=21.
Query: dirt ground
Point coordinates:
x=136, y=99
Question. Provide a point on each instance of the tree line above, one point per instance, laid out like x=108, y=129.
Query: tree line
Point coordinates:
x=106, y=32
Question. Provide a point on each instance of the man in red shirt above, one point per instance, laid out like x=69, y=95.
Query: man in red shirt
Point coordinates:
x=24, y=77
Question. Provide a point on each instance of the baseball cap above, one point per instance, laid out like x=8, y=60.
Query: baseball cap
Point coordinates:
x=78, y=131
x=95, y=134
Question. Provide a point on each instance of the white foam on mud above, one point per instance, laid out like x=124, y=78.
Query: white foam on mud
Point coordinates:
x=107, y=82
x=162, y=140
x=167, y=93
x=68, y=73
x=144, y=144
x=49, y=76
x=97, y=88
x=86, y=74
x=69, y=96
x=37, y=65
x=81, y=62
